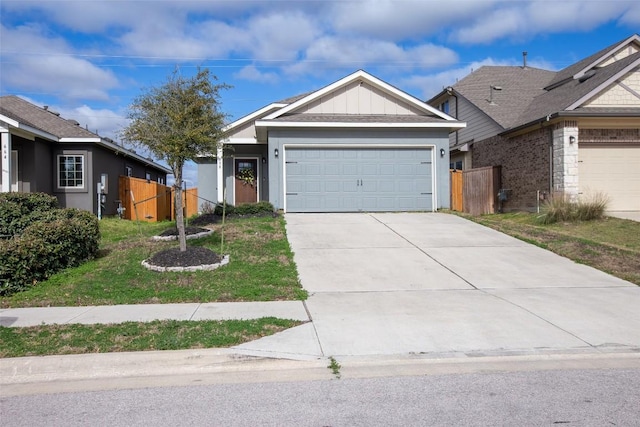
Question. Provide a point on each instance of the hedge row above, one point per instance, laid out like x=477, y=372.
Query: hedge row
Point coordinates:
x=244, y=209
x=54, y=240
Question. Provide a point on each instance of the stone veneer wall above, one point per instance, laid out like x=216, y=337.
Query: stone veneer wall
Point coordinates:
x=525, y=161
x=565, y=159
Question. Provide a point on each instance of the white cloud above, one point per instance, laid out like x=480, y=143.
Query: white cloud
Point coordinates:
x=107, y=123
x=250, y=72
x=39, y=63
x=354, y=53
x=525, y=19
x=408, y=19
x=632, y=16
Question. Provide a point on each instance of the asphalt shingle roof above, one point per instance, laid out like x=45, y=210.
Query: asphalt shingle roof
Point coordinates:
x=573, y=69
x=519, y=85
x=24, y=112
x=562, y=97
x=529, y=94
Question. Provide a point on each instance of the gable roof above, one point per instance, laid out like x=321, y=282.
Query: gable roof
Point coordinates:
x=518, y=86
x=50, y=125
x=287, y=112
x=528, y=95
x=362, y=76
x=577, y=70
x=577, y=91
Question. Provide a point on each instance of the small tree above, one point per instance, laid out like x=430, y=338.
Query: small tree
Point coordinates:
x=176, y=122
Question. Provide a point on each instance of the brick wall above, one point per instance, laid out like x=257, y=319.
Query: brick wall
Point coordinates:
x=525, y=165
x=609, y=135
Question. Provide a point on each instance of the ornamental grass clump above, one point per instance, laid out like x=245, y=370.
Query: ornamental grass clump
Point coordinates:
x=560, y=208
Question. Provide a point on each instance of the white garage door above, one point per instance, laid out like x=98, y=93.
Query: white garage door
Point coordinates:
x=358, y=179
x=614, y=171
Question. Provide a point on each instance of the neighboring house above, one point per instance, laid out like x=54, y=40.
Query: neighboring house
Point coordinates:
x=575, y=131
x=43, y=152
x=358, y=144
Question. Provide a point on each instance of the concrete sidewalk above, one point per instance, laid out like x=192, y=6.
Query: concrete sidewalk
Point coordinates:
x=19, y=317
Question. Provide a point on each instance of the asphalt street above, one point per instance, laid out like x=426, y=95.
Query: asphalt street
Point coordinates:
x=532, y=398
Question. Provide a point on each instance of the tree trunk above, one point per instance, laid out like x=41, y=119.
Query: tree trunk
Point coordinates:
x=182, y=237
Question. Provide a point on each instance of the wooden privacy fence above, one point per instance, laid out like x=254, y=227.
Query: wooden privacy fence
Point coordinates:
x=456, y=190
x=189, y=202
x=475, y=191
x=149, y=201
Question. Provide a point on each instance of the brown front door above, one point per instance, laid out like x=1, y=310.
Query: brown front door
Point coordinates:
x=246, y=181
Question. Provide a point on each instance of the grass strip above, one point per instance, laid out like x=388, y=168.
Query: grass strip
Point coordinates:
x=135, y=336
x=611, y=245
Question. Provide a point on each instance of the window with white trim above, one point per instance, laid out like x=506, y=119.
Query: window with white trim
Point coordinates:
x=71, y=171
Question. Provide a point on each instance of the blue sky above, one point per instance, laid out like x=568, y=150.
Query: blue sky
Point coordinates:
x=88, y=59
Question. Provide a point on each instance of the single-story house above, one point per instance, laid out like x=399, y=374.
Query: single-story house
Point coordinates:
x=43, y=152
x=358, y=144
x=575, y=131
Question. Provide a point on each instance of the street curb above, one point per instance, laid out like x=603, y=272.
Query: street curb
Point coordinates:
x=115, y=371
x=82, y=372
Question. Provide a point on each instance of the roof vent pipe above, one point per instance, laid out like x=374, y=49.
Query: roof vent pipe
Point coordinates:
x=524, y=59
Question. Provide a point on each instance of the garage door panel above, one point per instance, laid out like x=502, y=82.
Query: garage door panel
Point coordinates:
x=355, y=179
x=612, y=171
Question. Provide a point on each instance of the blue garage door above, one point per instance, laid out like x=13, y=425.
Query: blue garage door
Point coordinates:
x=358, y=179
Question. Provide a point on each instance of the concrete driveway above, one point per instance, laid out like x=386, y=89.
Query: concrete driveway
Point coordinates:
x=430, y=283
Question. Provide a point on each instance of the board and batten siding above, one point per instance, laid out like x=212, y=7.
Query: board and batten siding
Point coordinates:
x=359, y=98
x=281, y=138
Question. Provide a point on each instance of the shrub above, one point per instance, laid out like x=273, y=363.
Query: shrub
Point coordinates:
x=560, y=208
x=19, y=210
x=244, y=209
x=228, y=209
x=62, y=238
x=253, y=208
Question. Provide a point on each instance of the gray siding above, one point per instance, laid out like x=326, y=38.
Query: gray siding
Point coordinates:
x=479, y=125
x=279, y=138
x=207, y=181
x=99, y=161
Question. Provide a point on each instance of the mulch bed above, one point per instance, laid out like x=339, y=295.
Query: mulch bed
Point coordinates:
x=187, y=230
x=206, y=219
x=193, y=256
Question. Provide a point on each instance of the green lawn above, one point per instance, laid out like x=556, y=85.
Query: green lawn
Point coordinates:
x=261, y=268
x=133, y=336
x=610, y=244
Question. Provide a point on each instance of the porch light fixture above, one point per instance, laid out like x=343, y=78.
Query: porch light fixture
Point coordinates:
x=264, y=160
x=572, y=139
x=442, y=152
x=275, y=152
